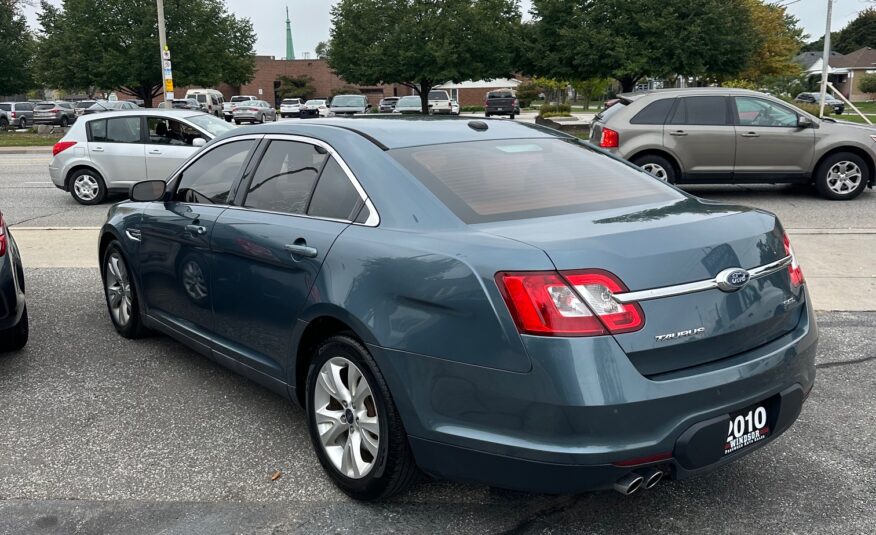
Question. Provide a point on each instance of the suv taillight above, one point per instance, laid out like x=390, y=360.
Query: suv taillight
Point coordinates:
x=609, y=139
x=794, y=269
x=2, y=236
x=569, y=303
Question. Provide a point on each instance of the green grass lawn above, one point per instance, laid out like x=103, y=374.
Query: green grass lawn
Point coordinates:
x=27, y=139
x=855, y=118
x=865, y=107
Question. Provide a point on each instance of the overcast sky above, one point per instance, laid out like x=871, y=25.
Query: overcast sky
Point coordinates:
x=310, y=19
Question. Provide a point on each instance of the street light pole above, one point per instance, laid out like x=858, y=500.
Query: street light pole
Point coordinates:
x=166, y=73
x=825, y=66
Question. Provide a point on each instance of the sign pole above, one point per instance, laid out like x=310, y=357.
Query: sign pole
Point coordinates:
x=166, y=72
x=825, y=66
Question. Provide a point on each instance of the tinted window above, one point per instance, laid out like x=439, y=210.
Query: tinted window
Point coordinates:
x=5, y=107
x=334, y=196
x=348, y=100
x=169, y=132
x=44, y=106
x=516, y=179
x=758, y=112
x=119, y=130
x=285, y=177
x=701, y=111
x=437, y=95
x=654, y=113
x=606, y=114
x=24, y=107
x=210, y=178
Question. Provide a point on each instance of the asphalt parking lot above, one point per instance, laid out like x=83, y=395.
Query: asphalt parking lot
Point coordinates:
x=105, y=435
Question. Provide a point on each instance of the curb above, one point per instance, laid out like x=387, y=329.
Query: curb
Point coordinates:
x=26, y=150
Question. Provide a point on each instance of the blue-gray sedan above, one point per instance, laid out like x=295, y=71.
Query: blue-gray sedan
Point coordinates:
x=13, y=309
x=478, y=300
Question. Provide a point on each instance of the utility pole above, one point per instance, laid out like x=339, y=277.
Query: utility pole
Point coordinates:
x=166, y=72
x=825, y=66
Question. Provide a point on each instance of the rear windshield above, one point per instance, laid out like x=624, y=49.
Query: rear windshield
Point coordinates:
x=240, y=99
x=290, y=101
x=606, y=114
x=438, y=95
x=44, y=106
x=201, y=98
x=348, y=100
x=502, y=180
x=500, y=94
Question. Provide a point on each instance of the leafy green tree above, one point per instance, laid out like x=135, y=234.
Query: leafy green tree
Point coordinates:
x=858, y=33
x=323, y=48
x=423, y=43
x=114, y=45
x=296, y=87
x=868, y=83
x=526, y=93
x=779, y=38
x=16, y=50
x=588, y=90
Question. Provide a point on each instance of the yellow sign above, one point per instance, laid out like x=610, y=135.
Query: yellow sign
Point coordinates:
x=168, y=85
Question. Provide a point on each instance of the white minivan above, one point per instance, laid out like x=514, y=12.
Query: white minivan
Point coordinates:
x=210, y=99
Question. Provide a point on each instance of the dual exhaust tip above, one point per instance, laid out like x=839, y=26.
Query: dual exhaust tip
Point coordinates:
x=634, y=481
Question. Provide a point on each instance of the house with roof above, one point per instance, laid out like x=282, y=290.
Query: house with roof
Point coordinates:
x=844, y=71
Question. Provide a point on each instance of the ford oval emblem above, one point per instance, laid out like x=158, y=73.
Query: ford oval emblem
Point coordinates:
x=733, y=279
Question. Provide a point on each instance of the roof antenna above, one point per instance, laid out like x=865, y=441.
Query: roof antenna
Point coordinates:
x=479, y=126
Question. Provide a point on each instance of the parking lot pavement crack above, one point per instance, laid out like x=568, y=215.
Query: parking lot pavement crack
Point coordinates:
x=553, y=507
x=13, y=225
x=837, y=364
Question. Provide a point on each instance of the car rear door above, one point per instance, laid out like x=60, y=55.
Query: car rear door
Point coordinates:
x=700, y=134
x=270, y=249
x=769, y=144
x=116, y=146
x=169, y=143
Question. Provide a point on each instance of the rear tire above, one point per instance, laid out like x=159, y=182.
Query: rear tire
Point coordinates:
x=4, y=123
x=842, y=176
x=15, y=338
x=65, y=122
x=22, y=123
x=658, y=167
x=388, y=471
x=87, y=187
x=512, y=116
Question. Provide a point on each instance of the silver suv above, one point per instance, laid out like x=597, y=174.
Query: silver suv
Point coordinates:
x=719, y=135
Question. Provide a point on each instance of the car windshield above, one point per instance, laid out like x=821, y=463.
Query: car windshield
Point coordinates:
x=291, y=101
x=44, y=106
x=240, y=99
x=485, y=181
x=314, y=103
x=210, y=123
x=438, y=95
x=85, y=103
x=409, y=101
x=348, y=100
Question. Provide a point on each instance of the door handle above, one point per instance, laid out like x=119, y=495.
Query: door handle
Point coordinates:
x=196, y=229
x=750, y=134
x=678, y=133
x=300, y=248
x=97, y=149
x=154, y=151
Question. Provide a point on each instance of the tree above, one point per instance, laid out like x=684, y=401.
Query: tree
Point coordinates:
x=779, y=38
x=632, y=39
x=526, y=93
x=858, y=33
x=16, y=50
x=323, y=48
x=587, y=90
x=296, y=87
x=114, y=45
x=424, y=42
x=867, y=83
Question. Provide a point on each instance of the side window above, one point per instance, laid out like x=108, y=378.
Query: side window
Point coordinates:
x=335, y=196
x=285, y=177
x=169, y=132
x=654, y=113
x=118, y=130
x=97, y=130
x=758, y=112
x=210, y=178
x=701, y=111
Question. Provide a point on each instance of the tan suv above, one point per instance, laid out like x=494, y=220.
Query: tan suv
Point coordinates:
x=719, y=135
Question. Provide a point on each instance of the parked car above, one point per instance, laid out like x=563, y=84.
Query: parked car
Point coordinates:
x=485, y=300
x=409, y=105
x=108, y=153
x=212, y=100
x=109, y=105
x=387, y=104
x=57, y=113
x=80, y=106
x=291, y=107
x=14, y=328
x=4, y=120
x=227, y=106
x=314, y=108
x=253, y=111
x=719, y=135
x=502, y=102
x=19, y=114
x=454, y=107
x=829, y=101
x=186, y=104
x=349, y=105
x=439, y=102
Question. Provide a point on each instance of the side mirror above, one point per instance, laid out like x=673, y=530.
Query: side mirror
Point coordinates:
x=199, y=142
x=148, y=191
x=804, y=122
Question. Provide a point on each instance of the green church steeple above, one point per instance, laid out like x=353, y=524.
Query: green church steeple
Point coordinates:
x=290, y=49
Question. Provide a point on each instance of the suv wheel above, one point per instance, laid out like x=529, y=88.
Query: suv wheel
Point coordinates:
x=22, y=123
x=842, y=176
x=87, y=187
x=657, y=166
x=4, y=123
x=15, y=338
x=64, y=121
x=354, y=426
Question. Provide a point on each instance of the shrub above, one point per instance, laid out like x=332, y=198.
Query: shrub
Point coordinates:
x=550, y=114
x=868, y=83
x=526, y=93
x=470, y=109
x=555, y=109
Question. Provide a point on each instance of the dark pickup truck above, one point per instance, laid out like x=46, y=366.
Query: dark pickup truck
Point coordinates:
x=502, y=102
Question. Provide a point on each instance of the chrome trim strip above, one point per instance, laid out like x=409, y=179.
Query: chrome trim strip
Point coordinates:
x=133, y=234
x=698, y=286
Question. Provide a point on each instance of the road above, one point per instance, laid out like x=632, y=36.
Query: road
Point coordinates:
x=106, y=435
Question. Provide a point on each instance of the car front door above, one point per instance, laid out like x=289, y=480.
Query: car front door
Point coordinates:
x=700, y=134
x=174, y=254
x=169, y=143
x=269, y=251
x=116, y=146
x=769, y=143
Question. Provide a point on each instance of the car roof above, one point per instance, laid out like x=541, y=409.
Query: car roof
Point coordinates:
x=163, y=112
x=688, y=91
x=394, y=132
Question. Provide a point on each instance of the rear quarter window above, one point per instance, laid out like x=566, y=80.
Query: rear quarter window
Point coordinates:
x=654, y=113
x=501, y=180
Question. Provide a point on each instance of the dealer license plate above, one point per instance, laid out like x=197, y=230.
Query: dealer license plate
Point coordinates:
x=748, y=426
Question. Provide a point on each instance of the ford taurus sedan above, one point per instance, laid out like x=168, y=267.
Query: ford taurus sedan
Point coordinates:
x=13, y=309
x=478, y=300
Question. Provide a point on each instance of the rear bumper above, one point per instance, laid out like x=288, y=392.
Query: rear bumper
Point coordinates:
x=564, y=426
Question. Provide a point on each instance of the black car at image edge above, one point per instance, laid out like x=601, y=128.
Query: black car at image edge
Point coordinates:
x=13, y=311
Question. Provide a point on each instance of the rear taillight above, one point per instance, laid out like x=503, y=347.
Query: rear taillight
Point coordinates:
x=2, y=236
x=12, y=114
x=794, y=269
x=514, y=103
x=609, y=139
x=61, y=146
x=572, y=303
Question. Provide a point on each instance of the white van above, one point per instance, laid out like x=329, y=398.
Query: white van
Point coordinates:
x=210, y=99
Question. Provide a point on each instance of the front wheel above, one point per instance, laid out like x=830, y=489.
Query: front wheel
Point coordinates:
x=64, y=122
x=15, y=338
x=657, y=166
x=22, y=123
x=4, y=123
x=842, y=176
x=121, y=294
x=87, y=187
x=354, y=426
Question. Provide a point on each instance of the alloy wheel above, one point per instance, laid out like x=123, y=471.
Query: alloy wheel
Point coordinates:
x=844, y=177
x=656, y=170
x=346, y=417
x=86, y=187
x=118, y=289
